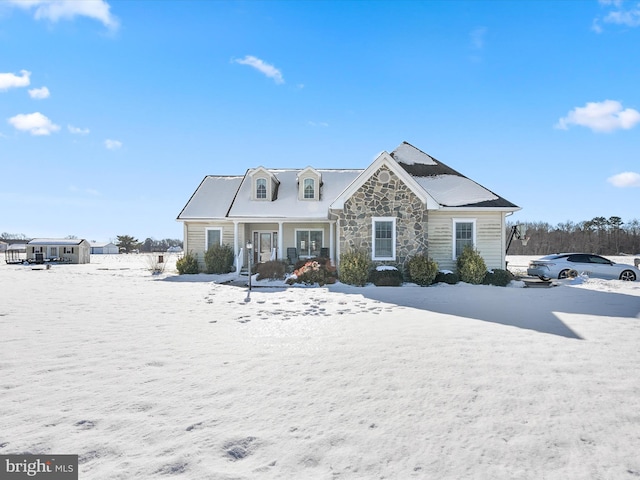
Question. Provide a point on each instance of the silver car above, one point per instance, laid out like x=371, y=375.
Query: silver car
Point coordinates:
x=565, y=265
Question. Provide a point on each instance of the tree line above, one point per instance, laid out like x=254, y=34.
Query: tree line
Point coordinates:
x=600, y=235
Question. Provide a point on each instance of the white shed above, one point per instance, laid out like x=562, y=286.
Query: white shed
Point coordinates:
x=69, y=250
x=101, y=248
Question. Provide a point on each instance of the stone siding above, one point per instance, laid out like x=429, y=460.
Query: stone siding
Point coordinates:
x=378, y=199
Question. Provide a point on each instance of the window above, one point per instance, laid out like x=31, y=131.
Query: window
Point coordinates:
x=464, y=233
x=213, y=237
x=309, y=242
x=53, y=251
x=309, y=188
x=68, y=250
x=384, y=238
x=261, y=188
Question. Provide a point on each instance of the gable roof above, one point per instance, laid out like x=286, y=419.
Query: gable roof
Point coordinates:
x=436, y=184
x=447, y=186
x=384, y=159
x=57, y=241
x=212, y=198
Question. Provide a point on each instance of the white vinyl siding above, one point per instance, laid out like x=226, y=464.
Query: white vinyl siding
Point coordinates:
x=489, y=237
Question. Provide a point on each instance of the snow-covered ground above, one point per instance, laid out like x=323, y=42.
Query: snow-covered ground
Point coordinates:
x=146, y=376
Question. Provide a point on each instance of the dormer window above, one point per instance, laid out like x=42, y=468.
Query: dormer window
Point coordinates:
x=309, y=188
x=309, y=184
x=261, y=188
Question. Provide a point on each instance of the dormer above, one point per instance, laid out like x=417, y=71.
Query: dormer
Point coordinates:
x=264, y=185
x=309, y=183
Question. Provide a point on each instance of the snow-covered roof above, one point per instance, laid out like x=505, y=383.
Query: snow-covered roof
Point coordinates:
x=212, y=199
x=56, y=241
x=455, y=191
x=102, y=244
x=287, y=204
x=447, y=186
x=219, y=197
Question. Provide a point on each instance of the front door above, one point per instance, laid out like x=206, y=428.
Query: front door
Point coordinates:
x=264, y=244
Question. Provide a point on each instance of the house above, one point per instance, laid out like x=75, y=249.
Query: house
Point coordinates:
x=406, y=202
x=59, y=249
x=104, y=248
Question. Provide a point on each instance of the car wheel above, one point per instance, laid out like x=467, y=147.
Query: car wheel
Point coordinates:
x=568, y=273
x=628, y=276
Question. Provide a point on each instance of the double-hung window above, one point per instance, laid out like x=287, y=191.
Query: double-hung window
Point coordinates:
x=261, y=188
x=213, y=237
x=384, y=238
x=309, y=188
x=464, y=233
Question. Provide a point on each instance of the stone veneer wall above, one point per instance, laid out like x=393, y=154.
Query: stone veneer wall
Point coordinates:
x=391, y=199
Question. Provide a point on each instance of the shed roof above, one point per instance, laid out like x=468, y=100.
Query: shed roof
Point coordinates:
x=56, y=241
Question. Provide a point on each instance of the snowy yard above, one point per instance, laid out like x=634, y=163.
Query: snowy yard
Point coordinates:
x=150, y=376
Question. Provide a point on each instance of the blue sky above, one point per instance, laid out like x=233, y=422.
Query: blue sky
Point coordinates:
x=112, y=112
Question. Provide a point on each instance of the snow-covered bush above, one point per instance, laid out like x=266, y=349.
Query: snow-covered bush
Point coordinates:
x=422, y=270
x=447, y=277
x=188, y=264
x=386, y=276
x=354, y=268
x=471, y=267
x=219, y=259
x=498, y=277
x=273, y=270
x=312, y=271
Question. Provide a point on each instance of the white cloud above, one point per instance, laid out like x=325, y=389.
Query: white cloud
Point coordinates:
x=34, y=123
x=77, y=130
x=268, y=70
x=11, y=80
x=619, y=15
x=55, y=10
x=39, y=93
x=477, y=37
x=601, y=117
x=625, y=179
x=112, y=144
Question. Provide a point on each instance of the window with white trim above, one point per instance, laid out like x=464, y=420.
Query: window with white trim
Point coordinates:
x=309, y=188
x=384, y=238
x=261, y=188
x=309, y=242
x=213, y=236
x=464, y=233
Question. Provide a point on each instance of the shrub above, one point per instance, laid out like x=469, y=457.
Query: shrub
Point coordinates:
x=498, y=277
x=422, y=270
x=219, y=259
x=188, y=264
x=354, y=268
x=447, y=277
x=314, y=270
x=273, y=270
x=386, y=277
x=471, y=266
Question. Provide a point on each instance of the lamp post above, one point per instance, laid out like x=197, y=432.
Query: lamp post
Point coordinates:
x=250, y=254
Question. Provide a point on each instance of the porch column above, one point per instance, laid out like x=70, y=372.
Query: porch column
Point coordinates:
x=280, y=241
x=236, y=250
x=332, y=242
